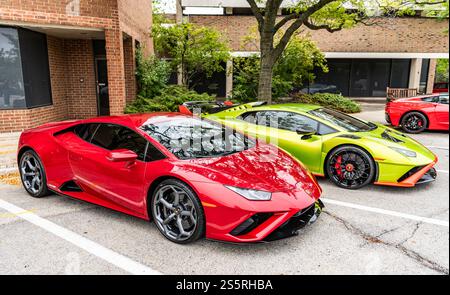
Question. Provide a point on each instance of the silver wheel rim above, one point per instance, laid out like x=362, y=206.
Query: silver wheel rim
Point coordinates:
x=31, y=173
x=174, y=212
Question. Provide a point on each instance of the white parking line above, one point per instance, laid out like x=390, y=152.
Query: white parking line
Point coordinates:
x=98, y=250
x=437, y=147
x=442, y=171
x=387, y=212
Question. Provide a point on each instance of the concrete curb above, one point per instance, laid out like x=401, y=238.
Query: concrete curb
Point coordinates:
x=8, y=170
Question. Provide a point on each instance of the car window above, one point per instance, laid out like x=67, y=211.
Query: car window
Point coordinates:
x=431, y=99
x=287, y=121
x=443, y=99
x=113, y=137
x=345, y=121
x=85, y=131
x=191, y=138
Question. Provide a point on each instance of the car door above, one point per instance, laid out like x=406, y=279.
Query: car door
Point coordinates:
x=441, y=111
x=118, y=183
x=282, y=128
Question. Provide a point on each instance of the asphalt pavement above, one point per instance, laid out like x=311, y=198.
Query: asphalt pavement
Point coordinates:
x=374, y=230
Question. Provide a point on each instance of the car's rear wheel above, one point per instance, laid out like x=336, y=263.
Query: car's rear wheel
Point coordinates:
x=32, y=174
x=414, y=122
x=350, y=167
x=177, y=212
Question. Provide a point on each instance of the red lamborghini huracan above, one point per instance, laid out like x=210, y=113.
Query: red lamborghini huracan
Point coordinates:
x=193, y=177
x=416, y=114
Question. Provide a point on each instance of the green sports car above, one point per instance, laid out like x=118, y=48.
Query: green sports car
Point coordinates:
x=349, y=151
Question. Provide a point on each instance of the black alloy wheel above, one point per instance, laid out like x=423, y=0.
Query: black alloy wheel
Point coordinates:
x=350, y=167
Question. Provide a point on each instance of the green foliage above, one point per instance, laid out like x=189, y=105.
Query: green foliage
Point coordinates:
x=167, y=101
x=442, y=70
x=332, y=101
x=152, y=75
x=195, y=49
x=293, y=70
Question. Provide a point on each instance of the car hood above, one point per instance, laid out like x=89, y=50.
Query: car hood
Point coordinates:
x=386, y=138
x=263, y=167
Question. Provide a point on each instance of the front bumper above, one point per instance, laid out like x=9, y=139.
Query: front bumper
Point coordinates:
x=298, y=221
x=417, y=175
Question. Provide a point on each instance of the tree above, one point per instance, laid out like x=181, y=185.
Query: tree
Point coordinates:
x=193, y=49
x=329, y=15
x=442, y=70
x=294, y=68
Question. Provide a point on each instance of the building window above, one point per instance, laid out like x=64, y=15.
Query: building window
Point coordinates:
x=24, y=69
x=424, y=75
x=361, y=77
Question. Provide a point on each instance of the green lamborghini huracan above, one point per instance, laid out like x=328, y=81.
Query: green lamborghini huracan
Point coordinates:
x=349, y=151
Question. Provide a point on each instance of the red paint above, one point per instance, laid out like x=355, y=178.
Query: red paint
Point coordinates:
x=118, y=181
x=437, y=113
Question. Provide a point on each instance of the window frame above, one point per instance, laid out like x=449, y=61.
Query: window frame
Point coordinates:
x=148, y=143
x=243, y=116
x=47, y=58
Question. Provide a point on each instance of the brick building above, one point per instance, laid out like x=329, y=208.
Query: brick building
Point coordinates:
x=68, y=59
x=365, y=60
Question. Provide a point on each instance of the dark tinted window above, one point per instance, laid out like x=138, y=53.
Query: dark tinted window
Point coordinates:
x=190, y=138
x=114, y=137
x=85, y=131
x=36, y=73
x=345, y=121
x=431, y=99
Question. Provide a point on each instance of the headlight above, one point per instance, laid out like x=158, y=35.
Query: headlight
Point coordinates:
x=250, y=194
x=405, y=152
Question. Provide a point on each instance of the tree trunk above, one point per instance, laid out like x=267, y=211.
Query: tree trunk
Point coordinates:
x=265, y=80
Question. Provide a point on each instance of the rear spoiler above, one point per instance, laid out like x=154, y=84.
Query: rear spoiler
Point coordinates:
x=207, y=107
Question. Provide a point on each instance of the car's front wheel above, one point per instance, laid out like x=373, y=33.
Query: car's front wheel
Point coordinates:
x=350, y=167
x=177, y=212
x=414, y=122
x=32, y=174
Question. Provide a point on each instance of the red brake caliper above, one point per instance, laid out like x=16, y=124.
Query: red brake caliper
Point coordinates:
x=337, y=166
x=420, y=123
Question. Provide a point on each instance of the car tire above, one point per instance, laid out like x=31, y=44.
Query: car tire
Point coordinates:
x=414, y=122
x=181, y=221
x=350, y=167
x=32, y=174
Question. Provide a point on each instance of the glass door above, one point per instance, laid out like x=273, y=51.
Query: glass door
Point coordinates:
x=102, y=87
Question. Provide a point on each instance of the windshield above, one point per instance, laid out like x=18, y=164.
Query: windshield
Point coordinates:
x=191, y=138
x=342, y=120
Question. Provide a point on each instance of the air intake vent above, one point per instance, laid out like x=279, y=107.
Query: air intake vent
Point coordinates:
x=70, y=186
x=386, y=135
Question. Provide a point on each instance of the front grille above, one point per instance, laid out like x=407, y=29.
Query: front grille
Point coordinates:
x=410, y=173
x=291, y=226
x=250, y=224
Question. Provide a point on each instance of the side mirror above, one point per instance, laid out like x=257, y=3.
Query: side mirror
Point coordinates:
x=122, y=155
x=306, y=132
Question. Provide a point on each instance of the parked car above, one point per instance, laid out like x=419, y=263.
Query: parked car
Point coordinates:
x=228, y=187
x=350, y=152
x=416, y=114
x=440, y=87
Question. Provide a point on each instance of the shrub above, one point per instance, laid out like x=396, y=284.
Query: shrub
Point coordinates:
x=167, y=101
x=330, y=100
x=152, y=75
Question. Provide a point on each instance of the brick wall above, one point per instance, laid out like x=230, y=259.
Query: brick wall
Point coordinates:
x=392, y=35
x=81, y=87
x=96, y=8
x=72, y=60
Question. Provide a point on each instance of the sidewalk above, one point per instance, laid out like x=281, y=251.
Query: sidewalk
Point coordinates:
x=8, y=147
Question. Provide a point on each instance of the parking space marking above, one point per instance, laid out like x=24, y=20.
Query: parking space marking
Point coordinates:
x=387, y=212
x=98, y=250
x=442, y=171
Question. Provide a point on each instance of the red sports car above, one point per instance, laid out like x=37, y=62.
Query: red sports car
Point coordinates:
x=416, y=114
x=193, y=177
